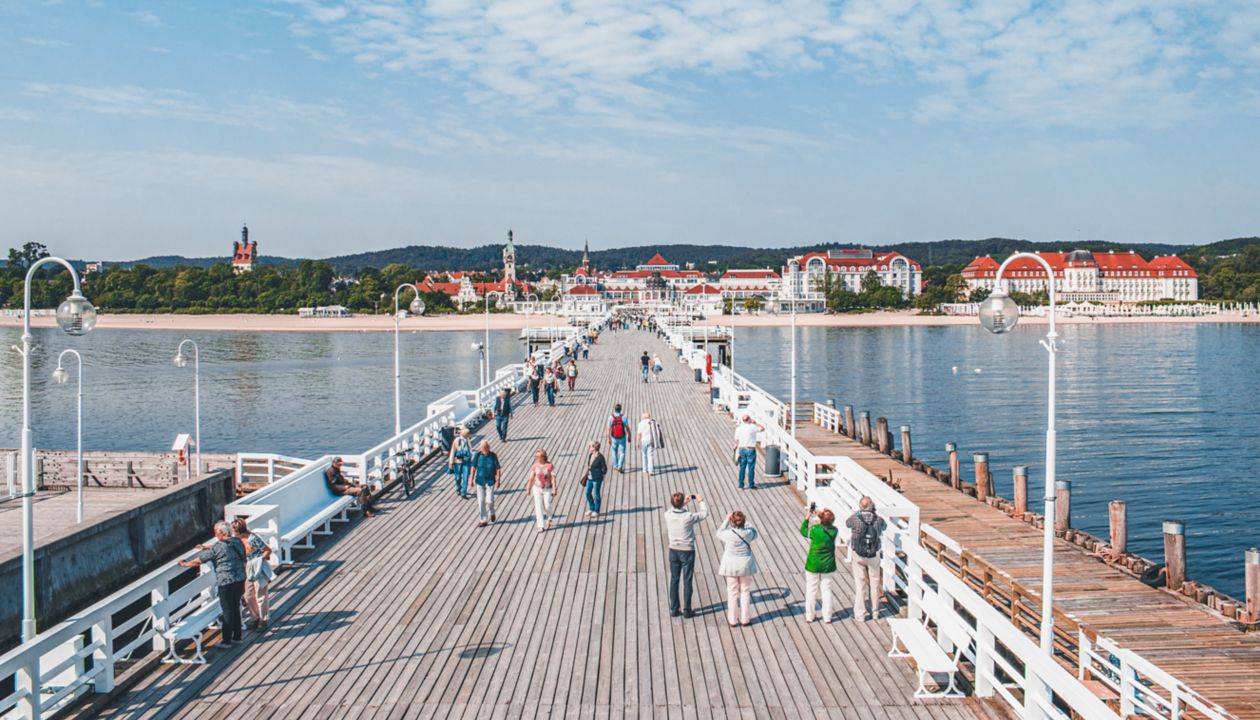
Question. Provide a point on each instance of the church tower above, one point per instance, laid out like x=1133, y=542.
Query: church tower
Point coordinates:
x=244, y=253
x=586, y=256
x=509, y=267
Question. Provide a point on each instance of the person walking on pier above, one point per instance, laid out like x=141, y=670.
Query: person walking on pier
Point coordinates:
x=485, y=477
x=657, y=367
x=534, y=379
x=570, y=372
x=339, y=484
x=617, y=436
x=228, y=556
x=549, y=384
x=864, y=556
x=258, y=574
x=746, y=450
x=681, y=526
x=649, y=436
x=503, y=412
x=644, y=362
x=821, y=561
x=596, y=469
x=542, y=486
x=738, y=567
x=459, y=461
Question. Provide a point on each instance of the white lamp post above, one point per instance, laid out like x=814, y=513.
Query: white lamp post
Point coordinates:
x=417, y=308
x=481, y=350
x=486, y=376
x=60, y=376
x=998, y=314
x=76, y=316
x=181, y=361
x=529, y=309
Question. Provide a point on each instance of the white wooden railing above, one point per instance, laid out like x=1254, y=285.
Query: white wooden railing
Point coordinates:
x=1008, y=664
x=265, y=467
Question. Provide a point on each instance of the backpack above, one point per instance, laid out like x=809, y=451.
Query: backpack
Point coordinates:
x=866, y=540
x=618, y=428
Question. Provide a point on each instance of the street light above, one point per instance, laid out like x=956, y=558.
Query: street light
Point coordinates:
x=417, y=308
x=61, y=376
x=529, y=309
x=181, y=361
x=75, y=316
x=480, y=348
x=486, y=375
x=998, y=314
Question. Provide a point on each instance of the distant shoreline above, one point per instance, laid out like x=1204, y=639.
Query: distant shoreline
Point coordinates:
x=506, y=321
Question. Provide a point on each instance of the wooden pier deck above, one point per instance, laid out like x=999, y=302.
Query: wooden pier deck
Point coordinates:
x=1198, y=647
x=418, y=613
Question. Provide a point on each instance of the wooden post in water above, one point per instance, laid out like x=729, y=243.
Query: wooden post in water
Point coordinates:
x=849, y=428
x=1020, y=478
x=955, y=477
x=981, y=459
x=906, y=452
x=881, y=434
x=1062, y=506
x=1118, y=514
x=1175, y=553
x=1252, y=579
x=864, y=431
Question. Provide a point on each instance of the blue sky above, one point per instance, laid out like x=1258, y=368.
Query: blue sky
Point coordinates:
x=131, y=129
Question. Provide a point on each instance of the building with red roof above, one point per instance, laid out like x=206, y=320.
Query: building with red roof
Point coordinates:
x=1084, y=276
x=244, y=253
x=804, y=276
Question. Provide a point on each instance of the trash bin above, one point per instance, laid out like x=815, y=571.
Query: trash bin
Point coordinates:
x=774, y=461
x=714, y=394
x=699, y=375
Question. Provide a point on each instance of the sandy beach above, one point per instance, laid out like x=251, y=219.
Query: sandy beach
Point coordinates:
x=504, y=321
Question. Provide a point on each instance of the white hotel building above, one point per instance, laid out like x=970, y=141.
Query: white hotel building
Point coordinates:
x=1083, y=276
x=805, y=276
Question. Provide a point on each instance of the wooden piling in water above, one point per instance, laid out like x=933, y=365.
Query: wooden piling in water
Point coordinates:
x=849, y=428
x=1118, y=515
x=955, y=472
x=1020, y=479
x=1252, y=579
x=1175, y=553
x=981, y=460
x=881, y=435
x=906, y=451
x=864, y=431
x=1062, y=506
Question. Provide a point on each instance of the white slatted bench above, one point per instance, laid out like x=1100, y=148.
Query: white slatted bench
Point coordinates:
x=305, y=507
x=925, y=648
x=191, y=627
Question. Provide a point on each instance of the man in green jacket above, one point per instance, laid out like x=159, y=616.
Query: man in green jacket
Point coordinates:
x=821, y=561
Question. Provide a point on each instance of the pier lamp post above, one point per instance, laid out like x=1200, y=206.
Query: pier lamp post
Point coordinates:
x=416, y=308
x=485, y=378
x=529, y=309
x=76, y=316
x=181, y=361
x=480, y=349
x=998, y=314
x=61, y=376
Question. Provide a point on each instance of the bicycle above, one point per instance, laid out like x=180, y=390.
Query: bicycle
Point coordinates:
x=400, y=469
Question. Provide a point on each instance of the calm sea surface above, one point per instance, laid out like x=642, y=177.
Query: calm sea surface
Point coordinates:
x=1162, y=416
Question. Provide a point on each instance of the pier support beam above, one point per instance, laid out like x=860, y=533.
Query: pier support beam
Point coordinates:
x=1062, y=506
x=1118, y=515
x=906, y=450
x=981, y=460
x=1020, y=478
x=881, y=435
x=849, y=428
x=864, y=430
x=1175, y=553
x=955, y=477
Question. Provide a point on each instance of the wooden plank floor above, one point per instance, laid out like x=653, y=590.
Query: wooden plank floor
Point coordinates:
x=418, y=613
x=1199, y=648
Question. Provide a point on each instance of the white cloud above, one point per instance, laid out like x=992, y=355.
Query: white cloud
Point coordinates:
x=45, y=42
x=147, y=17
x=1067, y=62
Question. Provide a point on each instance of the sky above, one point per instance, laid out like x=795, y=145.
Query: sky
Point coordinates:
x=130, y=129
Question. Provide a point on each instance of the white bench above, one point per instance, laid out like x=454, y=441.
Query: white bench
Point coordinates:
x=925, y=649
x=305, y=507
x=190, y=627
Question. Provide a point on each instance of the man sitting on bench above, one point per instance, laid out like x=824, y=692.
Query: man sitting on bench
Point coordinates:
x=339, y=485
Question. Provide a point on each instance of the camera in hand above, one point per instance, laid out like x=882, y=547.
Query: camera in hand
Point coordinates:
x=813, y=507
x=693, y=497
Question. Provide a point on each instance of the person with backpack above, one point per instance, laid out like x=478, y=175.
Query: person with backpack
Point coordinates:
x=617, y=437
x=821, y=561
x=738, y=566
x=459, y=461
x=864, y=556
x=570, y=372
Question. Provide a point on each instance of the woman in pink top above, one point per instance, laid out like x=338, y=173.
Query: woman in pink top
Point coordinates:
x=542, y=485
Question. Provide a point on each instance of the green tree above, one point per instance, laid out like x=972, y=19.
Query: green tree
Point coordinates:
x=752, y=303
